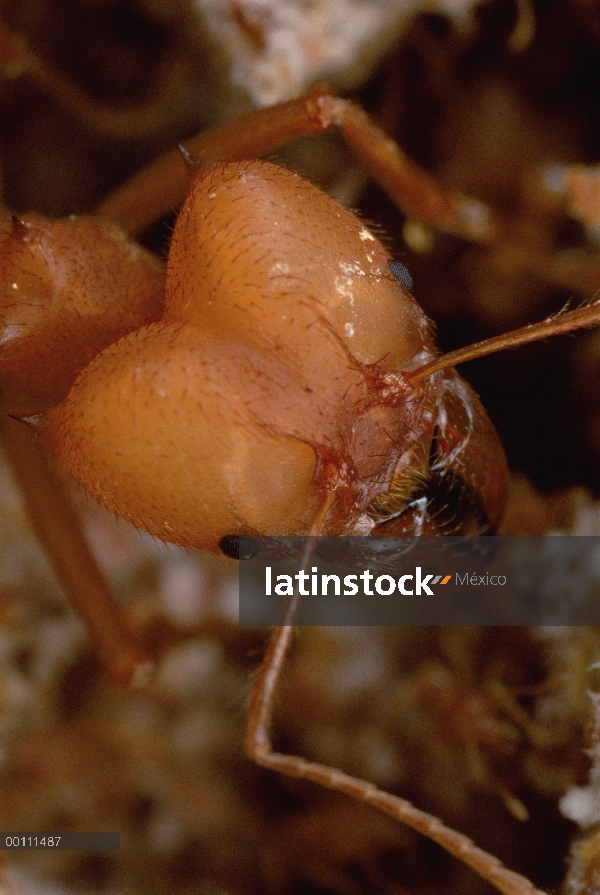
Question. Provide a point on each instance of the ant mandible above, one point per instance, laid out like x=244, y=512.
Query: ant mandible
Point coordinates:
x=289, y=385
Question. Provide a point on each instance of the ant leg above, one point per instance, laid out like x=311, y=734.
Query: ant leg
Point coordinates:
x=419, y=195
x=58, y=529
x=409, y=186
x=163, y=183
x=259, y=747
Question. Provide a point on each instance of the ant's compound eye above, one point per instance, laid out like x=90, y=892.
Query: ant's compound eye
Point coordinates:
x=402, y=275
x=238, y=547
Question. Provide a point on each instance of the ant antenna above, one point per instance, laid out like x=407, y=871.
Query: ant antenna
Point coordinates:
x=587, y=316
x=263, y=692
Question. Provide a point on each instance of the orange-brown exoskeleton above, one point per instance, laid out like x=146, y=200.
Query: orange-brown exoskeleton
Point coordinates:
x=276, y=372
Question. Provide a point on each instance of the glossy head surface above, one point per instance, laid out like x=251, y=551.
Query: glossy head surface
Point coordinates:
x=274, y=373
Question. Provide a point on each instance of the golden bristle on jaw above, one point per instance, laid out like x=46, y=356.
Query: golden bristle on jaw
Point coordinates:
x=407, y=483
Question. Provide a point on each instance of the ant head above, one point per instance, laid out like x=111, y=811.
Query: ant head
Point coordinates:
x=289, y=363
x=264, y=382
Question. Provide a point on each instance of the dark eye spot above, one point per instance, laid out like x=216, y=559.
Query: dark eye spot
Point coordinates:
x=402, y=275
x=238, y=547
